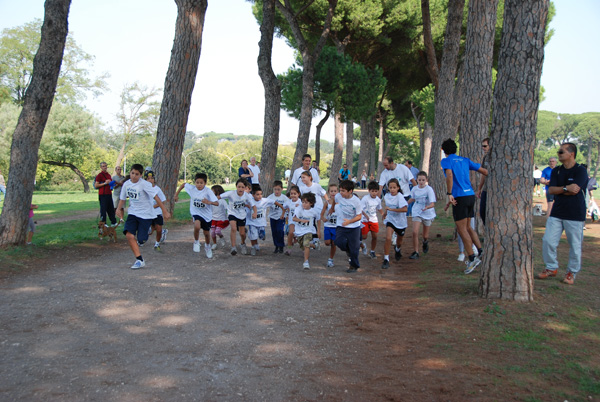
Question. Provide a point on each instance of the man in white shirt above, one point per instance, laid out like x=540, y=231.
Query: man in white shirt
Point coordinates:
x=255, y=169
x=306, y=159
x=396, y=171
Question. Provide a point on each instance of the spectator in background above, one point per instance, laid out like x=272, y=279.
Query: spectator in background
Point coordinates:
x=119, y=179
x=315, y=166
x=344, y=173
x=244, y=172
x=102, y=184
x=537, y=175
x=545, y=180
x=482, y=189
x=255, y=171
x=413, y=169
x=363, y=179
x=2, y=185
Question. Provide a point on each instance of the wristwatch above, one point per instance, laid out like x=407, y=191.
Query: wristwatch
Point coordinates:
x=565, y=189
x=448, y=193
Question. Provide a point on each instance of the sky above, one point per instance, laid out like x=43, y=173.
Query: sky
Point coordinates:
x=132, y=40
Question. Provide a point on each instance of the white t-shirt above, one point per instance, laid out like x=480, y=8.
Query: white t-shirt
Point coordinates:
x=330, y=218
x=296, y=177
x=537, y=174
x=261, y=212
x=140, y=196
x=219, y=213
x=398, y=219
x=197, y=207
x=347, y=208
x=317, y=190
x=237, y=204
x=161, y=196
x=275, y=211
x=423, y=197
x=291, y=207
x=256, y=170
x=370, y=206
x=402, y=173
x=302, y=228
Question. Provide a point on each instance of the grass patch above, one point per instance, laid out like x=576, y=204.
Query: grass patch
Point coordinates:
x=526, y=339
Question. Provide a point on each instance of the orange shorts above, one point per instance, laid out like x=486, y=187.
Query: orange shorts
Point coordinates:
x=369, y=227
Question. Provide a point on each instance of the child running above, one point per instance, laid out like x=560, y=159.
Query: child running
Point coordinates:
x=307, y=186
x=290, y=206
x=277, y=216
x=305, y=217
x=236, y=210
x=219, y=218
x=370, y=203
x=141, y=211
x=423, y=211
x=394, y=218
x=201, y=200
x=329, y=219
x=158, y=221
x=257, y=221
x=347, y=233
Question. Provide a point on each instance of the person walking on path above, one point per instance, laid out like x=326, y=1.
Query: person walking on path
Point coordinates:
x=119, y=179
x=102, y=184
x=567, y=183
x=545, y=180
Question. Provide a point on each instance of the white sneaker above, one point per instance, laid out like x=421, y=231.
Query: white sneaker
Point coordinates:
x=330, y=263
x=306, y=265
x=461, y=257
x=163, y=236
x=394, y=238
x=471, y=265
x=222, y=242
x=244, y=250
x=138, y=264
x=364, y=248
x=214, y=246
x=253, y=250
x=475, y=250
x=196, y=247
x=208, y=251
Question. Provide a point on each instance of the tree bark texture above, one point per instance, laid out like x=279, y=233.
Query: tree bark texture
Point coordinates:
x=79, y=173
x=477, y=79
x=338, y=149
x=384, y=142
x=426, y=147
x=32, y=121
x=446, y=117
x=350, y=144
x=309, y=58
x=507, y=269
x=367, y=146
x=432, y=64
x=177, y=98
x=272, y=98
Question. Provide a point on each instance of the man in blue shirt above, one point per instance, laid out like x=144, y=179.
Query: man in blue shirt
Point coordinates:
x=567, y=184
x=546, y=180
x=344, y=174
x=462, y=197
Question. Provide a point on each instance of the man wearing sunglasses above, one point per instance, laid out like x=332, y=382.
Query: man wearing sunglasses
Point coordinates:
x=567, y=183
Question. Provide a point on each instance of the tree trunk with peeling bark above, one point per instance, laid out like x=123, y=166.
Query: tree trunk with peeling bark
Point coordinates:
x=350, y=144
x=32, y=121
x=507, y=268
x=272, y=98
x=177, y=98
x=426, y=147
x=367, y=145
x=338, y=149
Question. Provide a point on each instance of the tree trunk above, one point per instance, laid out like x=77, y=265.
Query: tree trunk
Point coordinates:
x=309, y=58
x=177, y=98
x=272, y=98
x=426, y=146
x=432, y=65
x=589, y=152
x=350, y=144
x=86, y=186
x=121, y=156
x=384, y=145
x=318, y=135
x=367, y=145
x=32, y=121
x=507, y=269
x=446, y=117
x=597, y=161
x=477, y=80
x=338, y=149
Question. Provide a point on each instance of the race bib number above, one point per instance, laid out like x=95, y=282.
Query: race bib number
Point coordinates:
x=199, y=204
x=333, y=219
x=132, y=194
x=305, y=224
x=259, y=214
x=239, y=205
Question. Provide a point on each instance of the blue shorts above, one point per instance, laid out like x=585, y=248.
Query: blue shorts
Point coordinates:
x=205, y=225
x=329, y=233
x=137, y=227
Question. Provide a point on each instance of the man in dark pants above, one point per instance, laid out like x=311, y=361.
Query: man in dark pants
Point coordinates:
x=102, y=184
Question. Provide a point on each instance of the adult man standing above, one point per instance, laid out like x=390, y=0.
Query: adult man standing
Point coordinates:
x=413, y=169
x=119, y=180
x=462, y=197
x=546, y=181
x=306, y=159
x=396, y=171
x=255, y=169
x=567, y=184
x=344, y=173
x=102, y=184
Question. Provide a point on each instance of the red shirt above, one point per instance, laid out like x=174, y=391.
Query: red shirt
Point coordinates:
x=101, y=178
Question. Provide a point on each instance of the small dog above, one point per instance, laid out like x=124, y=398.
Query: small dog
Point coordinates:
x=537, y=210
x=104, y=230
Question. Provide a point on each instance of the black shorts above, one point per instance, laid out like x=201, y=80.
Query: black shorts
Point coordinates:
x=399, y=232
x=549, y=197
x=203, y=224
x=464, y=208
x=536, y=182
x=239, y=222
x=158, y=221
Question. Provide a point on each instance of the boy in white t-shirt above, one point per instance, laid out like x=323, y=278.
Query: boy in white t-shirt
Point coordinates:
x=347, y=233
x=290, y=207
x=236, y=210
x=394, y=218
x=330, y=223
x=140, y=213
x=423, y=211
x=219, y=218
x=277, y=216
x=308, y=186
x=202, y=199
x=371, y=203
x=257, y=222
x=158, y=221
x=304, y=219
